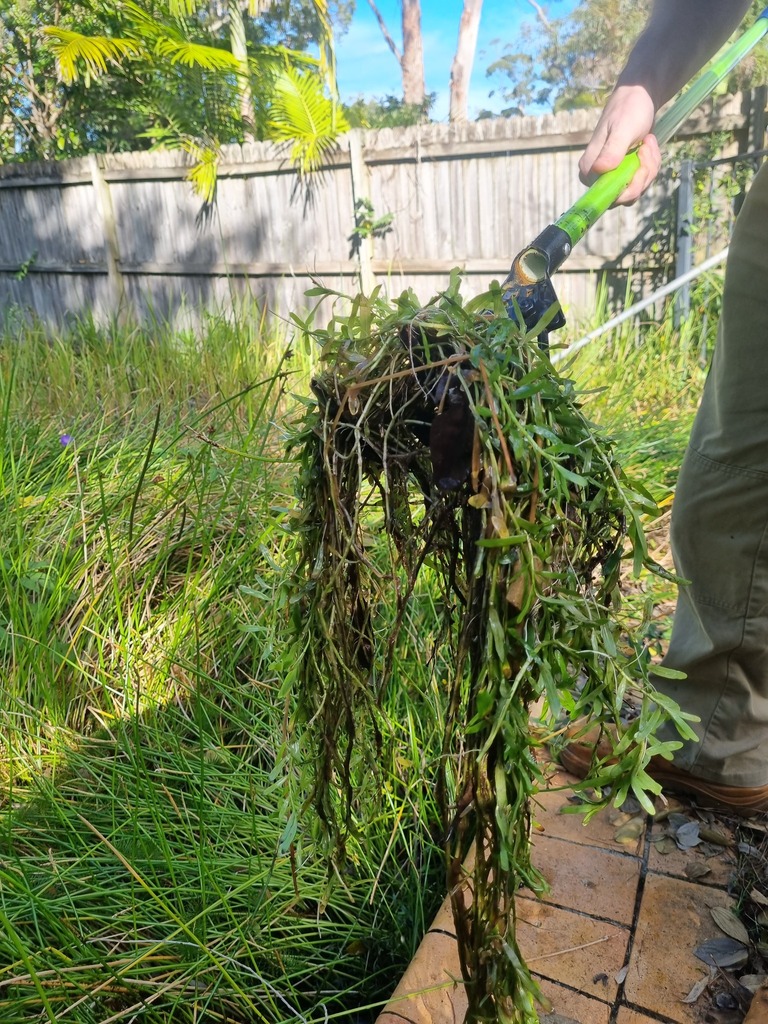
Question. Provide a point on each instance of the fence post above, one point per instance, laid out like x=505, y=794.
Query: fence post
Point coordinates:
x=684, y=260
x=757, y=117
x=361, y=190
x=112, y=245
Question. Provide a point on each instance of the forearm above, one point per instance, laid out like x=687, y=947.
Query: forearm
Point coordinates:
x=680, y=37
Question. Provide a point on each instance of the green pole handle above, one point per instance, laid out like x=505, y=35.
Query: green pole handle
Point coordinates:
x=609, y=186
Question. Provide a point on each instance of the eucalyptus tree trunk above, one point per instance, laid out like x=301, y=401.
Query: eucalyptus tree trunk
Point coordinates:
x=239, y=47
x=464, y=58
x=412, y=59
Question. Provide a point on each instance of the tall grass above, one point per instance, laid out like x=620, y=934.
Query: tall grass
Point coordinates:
x=642, y=383
x=128, y=521
x=150, y=868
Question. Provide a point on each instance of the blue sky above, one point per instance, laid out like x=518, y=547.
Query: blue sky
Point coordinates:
x=366, y=66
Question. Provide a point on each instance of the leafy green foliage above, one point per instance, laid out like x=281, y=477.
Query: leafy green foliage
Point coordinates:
x=94, y=52
x=301, y=114
x=295, y=103
x=368, y=225
x=127, y=75
x=150, y=856
x=445, y=456
x=573, y=61
x=42, y=116
x=570, y=61
x=389, y=112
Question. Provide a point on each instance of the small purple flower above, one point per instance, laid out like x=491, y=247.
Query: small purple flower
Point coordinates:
x=65, y=439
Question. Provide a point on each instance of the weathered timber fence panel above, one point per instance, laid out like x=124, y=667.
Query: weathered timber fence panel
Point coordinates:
x=126, y=230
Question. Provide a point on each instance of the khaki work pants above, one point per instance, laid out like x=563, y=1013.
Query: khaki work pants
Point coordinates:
x=720, y=530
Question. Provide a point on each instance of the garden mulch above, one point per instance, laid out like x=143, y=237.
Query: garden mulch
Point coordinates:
x=631, y=897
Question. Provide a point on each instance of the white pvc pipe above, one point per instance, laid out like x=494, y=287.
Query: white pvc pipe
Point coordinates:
x=665, y=290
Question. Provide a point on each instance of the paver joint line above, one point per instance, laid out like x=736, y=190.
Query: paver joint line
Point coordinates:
x=579, y=913
x=642, y=1011
x=619, y=1000
x=623, y=854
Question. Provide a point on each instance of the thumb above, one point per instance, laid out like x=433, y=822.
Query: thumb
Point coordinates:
x=606, y=150
x=615, y=148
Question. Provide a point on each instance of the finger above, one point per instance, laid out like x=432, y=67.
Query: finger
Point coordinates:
x=587, y=158
x=605, y=150
x=616, y=147
x=649, y=155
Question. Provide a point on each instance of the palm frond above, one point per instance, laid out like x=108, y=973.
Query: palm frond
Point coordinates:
x=196, y=104
x=95, y=52
x=183, y=51
x=325, y=42
x=302, y=113
x=185, y=8
x=206, y=153
x=204, y=173
x=257, y=7
x=182, y=8
x=144, y=24
x=266, y=59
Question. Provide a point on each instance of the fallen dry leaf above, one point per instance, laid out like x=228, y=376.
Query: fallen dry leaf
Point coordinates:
x=757, y=897
x=677, y=820
x=722, y=952
x=631, y=806
x=727, y=922
x=755, y=826
x=618, y=818
x=699, y=987
x=696, y=869
x=630, y=831
x=748, y=850
x=664, y=845
x=671, y=806
x=712, y=835
x=752, y=982
x=726, y=1001
x=688, y=835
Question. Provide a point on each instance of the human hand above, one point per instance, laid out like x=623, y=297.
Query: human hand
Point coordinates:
x=625, y=123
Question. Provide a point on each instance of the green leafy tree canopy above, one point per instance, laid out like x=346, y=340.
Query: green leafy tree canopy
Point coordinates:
x=573, y=61
x=177, y=73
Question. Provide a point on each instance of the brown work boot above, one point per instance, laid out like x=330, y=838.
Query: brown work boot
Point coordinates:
x=578, y=756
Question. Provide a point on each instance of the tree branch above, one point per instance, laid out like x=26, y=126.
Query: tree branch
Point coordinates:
x=540, y=14
x=385, y=32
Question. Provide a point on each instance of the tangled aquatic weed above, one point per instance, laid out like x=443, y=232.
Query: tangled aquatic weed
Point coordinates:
x=443, y=450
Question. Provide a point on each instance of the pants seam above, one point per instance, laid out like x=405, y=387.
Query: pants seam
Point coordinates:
x=728, y=468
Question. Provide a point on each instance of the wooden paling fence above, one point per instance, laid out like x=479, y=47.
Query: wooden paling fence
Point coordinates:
x=126, y=232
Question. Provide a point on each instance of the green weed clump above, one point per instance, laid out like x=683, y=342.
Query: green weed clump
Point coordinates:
x=443, y=455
